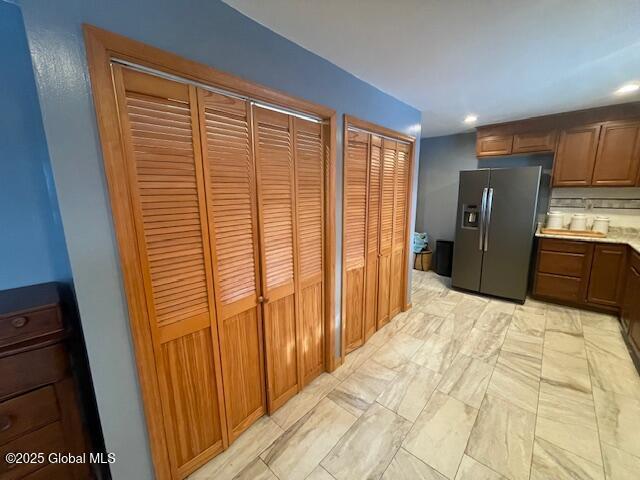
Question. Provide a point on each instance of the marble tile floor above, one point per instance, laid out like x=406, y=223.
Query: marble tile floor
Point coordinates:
x=461, y=387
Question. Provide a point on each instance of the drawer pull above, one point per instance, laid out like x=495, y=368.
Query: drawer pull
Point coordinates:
x=19, y=322
x=5, y=423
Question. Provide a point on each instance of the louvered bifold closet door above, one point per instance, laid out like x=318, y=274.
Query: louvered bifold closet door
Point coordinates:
x=387, y=199
x=231, y=199
x=276, y=204
x=355, y=235
x=373, y=237
x=309, y=170
x=397, y=293
x=159, y=125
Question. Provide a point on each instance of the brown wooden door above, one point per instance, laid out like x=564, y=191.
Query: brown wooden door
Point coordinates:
x=607, y=274
x=387, y=200
x=397, y=285
x=618, y=157
x=355, y=235
x=575, y=156
x=159, y=124
x=273, y=144
x=225, y=131
x=373, y=237
x=309, y=173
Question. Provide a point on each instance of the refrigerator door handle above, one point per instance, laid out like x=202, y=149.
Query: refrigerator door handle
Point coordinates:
x=488, y=219
x=483, y=207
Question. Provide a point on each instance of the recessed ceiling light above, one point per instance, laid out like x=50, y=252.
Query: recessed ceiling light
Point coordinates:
x=628, y=88
x=471, y=118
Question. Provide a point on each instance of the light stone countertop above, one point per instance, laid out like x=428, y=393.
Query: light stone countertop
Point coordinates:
x=628, y=236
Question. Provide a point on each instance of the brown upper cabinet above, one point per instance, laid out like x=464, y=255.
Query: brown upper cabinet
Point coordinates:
x=593, y=147
x=606, y=154
x=618, y=156
x=536, y=142
x=494, y=145
x=526, y=142
x=575, y=156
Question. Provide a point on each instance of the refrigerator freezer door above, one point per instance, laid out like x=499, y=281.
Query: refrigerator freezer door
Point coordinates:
x=467, y=248
x=509, y=231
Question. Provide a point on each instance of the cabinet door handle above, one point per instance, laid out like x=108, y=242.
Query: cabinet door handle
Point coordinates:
x=19, y=322
x=5, y=423
x=262, y=299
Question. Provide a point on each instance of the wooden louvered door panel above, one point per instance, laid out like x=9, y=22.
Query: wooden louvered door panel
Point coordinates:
x=309, y=170
x=373, y=237
x=355, y=235
x=159, y=124
x=387, y=199
x=276, y=204
x=397, y=284
x=230, y=186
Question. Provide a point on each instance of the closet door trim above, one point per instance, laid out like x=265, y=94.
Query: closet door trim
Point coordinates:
x=355, y=123
x=102, y=47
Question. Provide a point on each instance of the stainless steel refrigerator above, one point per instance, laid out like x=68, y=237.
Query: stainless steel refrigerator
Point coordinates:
x=495, y=227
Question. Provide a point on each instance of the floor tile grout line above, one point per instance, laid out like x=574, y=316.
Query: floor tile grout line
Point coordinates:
x=595, y=413
x=401, y=441
x=425, y=406
x=272, y=472
x=600, y=442
x=475, y=421
x=293, y=424
x=483, y=401
x=535, y=425
x=361, y=415
x=421, y=461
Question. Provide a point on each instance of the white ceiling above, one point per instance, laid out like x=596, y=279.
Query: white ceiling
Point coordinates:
x=500, y=59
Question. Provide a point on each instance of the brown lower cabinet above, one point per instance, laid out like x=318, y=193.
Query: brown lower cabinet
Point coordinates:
x=580, y=273
x=631, y=303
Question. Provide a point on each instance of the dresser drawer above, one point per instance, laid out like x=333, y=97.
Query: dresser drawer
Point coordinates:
x=47, y=440
x=28, y=370
x=27, y=412
x=29, y=325
x=562, y=263
x=568, y=246
x=558, y=287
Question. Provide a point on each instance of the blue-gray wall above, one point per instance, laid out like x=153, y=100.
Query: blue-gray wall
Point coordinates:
x=32, y=248
x=441, y=159
x=207, y=31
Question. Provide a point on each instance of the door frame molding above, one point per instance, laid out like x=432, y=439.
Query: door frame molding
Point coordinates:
x=101, y=47
x=352, y=121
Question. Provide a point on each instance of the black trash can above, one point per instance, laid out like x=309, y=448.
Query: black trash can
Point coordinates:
x=444, y=257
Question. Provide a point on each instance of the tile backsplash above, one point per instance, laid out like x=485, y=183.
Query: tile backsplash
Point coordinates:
x=620, y=204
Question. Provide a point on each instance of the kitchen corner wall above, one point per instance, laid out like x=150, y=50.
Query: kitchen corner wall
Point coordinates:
x=207, y=31
x=441, y=159
x=621, y=205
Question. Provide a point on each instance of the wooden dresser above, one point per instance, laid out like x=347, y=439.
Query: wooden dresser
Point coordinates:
x=39, y=407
